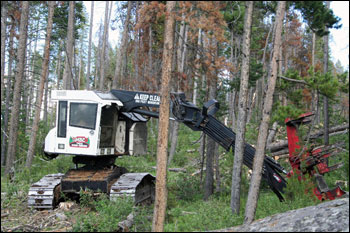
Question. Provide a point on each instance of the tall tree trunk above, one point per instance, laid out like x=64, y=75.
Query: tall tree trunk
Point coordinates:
x=261, y=82
x=68, y=67
x=103, y=52
x=136, y=53
x=11, y=152
x=242, y=110
x=263, y=129
x=161, y=189
x=315, y=96
x=118, y=74
x=29, y=83
x=197, y=73
x=181, y=51
x=81, y=68
x=58, y=65
x=87, y=84
x=209, y=177
x=98, y=59
x=3, y=40
x=325, y=98
x=150, y=55
x=46, y=98
x=217, y=169
x=4, y=136
x=202, y=154
x=45, y=70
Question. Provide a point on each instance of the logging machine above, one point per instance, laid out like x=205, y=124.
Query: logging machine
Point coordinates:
x=97, y=127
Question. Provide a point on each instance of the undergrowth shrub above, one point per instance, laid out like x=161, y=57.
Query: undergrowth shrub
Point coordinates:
x=300, y=191
x=102, y=215
x=186, y=187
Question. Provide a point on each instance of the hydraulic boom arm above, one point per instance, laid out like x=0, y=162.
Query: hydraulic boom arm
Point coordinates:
x=202, y=120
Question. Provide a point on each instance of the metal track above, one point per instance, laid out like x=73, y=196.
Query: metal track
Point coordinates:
x=140, y=186
x=45, y=193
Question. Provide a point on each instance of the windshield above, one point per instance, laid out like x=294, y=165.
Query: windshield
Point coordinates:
x=83, y=115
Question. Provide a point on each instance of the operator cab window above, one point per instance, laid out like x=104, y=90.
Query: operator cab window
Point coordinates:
x=83, y=115
x=62, y=119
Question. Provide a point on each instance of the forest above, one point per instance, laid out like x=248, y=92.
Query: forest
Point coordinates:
x=265, y=62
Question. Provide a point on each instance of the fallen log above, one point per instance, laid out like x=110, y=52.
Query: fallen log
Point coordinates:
x=174, y=169
x=272, y=133
x=124, y=226
x=277, y=146
x=280, y=152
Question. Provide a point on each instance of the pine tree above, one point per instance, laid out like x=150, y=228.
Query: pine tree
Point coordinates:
x=12, y=146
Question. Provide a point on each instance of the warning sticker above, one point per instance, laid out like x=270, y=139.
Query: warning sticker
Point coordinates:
x=147, y=99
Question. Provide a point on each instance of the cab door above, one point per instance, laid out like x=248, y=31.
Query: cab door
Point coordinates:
x=82, y=133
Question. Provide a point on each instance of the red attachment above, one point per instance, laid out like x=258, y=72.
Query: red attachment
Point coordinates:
x=331, y=194
x=312, y=157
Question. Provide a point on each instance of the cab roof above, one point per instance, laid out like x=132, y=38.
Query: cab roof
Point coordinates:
x=104, y=98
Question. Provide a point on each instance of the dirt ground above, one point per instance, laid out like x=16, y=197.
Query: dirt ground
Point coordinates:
x=17, y=217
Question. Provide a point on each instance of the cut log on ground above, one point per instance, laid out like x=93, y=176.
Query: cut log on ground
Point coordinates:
x=281, y=145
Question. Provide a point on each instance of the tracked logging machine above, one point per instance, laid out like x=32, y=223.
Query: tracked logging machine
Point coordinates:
x=98, y=127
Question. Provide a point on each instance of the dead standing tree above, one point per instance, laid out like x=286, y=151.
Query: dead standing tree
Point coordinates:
x=161, y=190
x=242, y=109
x=263, y=129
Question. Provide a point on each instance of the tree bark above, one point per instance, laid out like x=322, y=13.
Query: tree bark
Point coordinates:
x=4, y=136
x=315, y=94
x=263, y=129
x=46, y=95
x=242, y=110
x=161, y=189
x=212, y=84
x=325, y=98
x=197, y=73
x=217, y=169
x=45, y=70
x=68, y=67
x=103, y=52
x=87, y=84
x=58, y=65
x=11, y=152
x=3, y=40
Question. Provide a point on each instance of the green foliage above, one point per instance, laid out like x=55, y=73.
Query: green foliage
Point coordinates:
x=342, y=156
x=201, y=216
x=105, y=215
x=317, y=16
x=234, y=16
x=186, y=187
x=287, y=85
x=326, y=84
x=300, y=191
x=255, y=73
x=283, y=112
x=343, y=82
x=60, y=20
